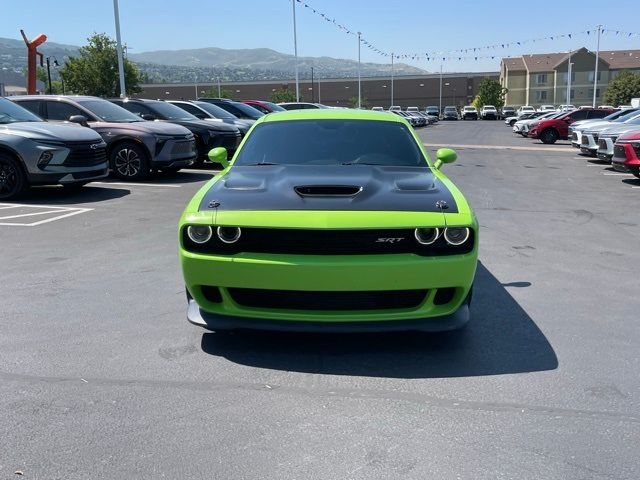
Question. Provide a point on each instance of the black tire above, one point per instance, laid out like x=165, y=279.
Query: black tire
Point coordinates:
x=12, y=179
x=549, y=136
x=512, y=123
x=129, y=161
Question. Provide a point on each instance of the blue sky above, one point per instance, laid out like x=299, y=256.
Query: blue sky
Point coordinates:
x=400, y=26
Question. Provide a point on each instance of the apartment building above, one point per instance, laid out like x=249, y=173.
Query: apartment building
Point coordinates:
x=539, y=79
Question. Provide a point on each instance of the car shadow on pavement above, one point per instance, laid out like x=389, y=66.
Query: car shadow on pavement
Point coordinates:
x=500, y=339
x=56, y=195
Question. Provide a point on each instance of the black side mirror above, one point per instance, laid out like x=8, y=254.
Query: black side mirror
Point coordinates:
x=81, y=119
x=148, y=116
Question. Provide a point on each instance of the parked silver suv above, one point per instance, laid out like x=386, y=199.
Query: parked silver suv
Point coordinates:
x=34, y=152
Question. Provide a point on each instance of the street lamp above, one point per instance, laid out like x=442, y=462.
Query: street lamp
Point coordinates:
x=116, y=16
x=359, y=97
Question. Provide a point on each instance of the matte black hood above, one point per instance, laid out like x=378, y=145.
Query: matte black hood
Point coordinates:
x=343, y=187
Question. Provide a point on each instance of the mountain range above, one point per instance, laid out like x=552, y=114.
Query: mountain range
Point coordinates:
x=208, y=64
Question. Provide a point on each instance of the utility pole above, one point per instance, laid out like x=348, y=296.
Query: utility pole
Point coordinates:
x=195, y=78
x=595, y=73
x=295, y=49
x=391, y=79
x=313, y=88
x=218, y=87
x=359, y=96
x=570, y=64
x=116, y=15
x=440, y=103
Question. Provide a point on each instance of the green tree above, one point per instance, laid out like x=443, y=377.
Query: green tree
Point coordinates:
x=490, y=92
x=622, y=89
x=95, y=70
x=283, y=95
x=224, y=93
x=353, y=102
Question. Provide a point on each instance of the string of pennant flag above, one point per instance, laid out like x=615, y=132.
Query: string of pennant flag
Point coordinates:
x=459, y=54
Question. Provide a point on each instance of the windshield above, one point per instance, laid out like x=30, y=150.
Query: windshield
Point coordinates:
x=241, y=110
x=625, y=115
x=12, y=113
x=449, y=109
x=331, y=142
x=109, y=112
x=170, y=112
x=216, y=111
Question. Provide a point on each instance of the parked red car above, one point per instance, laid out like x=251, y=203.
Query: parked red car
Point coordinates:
x=264, y=107
x=626, y=153
x=554, y=129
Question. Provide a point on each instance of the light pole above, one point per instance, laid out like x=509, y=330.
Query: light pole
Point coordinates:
x=313, y=96
x=359, y=97
x=595, y=73
x=570, y=64
x=440, y=103
x=295, y=49
x=391, y=79
x=49, y=74
x=116, y=15
x=218, y=87
x=195, y=79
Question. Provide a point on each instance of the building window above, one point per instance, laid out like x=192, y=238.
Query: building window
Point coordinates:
x=591, y=76
x=572, y=94
x=541, y=96
x=591, y=93
x=541, y=78
x=566, y=75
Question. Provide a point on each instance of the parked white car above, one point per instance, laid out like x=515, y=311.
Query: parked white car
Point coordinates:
x=525, y=109
x=395, y=108
x=377, y=109
x=412, y=109
x=547, y=108
x=469, y=112
x=566, y=108
x=522, y=126
x=489, y=112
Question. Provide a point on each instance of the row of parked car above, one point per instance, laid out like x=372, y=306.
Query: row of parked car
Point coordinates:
x=73, y=140
x=413, y=115
x=612, y=135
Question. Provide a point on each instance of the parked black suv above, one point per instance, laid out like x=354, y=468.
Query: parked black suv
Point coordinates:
x=507, y=111
x=134, y=146
x=240, y=110
x=208, y=135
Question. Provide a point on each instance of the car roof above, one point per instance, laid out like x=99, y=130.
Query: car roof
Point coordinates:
x=56, y=97
x=330, y=114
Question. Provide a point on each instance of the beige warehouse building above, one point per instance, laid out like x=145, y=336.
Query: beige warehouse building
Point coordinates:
x=539, y=79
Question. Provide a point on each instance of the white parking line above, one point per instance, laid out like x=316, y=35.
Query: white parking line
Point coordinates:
x=125, y=184
x=58, y=212
x=501, y=147
x=618, y=174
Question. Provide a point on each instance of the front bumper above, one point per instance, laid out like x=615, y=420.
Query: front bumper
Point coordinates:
x=212, y=321
x=605, y=148
x=174, y=152
x=589, y=144
x=321, y=273
x=625, y=159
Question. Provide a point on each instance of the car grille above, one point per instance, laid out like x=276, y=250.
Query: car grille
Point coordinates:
x=619, y=152
x=602, y=145
x=595, y=137
x=328, y=242
x=82, y=155
x=574, y=137
x=585, y=140
x=304, y=300
x=183, y=147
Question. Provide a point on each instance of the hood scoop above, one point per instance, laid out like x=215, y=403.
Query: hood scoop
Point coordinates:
x=327, y=190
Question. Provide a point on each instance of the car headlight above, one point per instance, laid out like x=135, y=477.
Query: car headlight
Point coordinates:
x=456, y=235
x=199, y=233
x=427, y=236
x=228, y=234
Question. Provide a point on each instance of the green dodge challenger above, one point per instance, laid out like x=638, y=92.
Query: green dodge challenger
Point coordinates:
x=329, y=221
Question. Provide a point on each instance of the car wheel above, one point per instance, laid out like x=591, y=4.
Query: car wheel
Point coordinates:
x=12, y=179
x=129, y=161
x=549, y=136
x=512, y=123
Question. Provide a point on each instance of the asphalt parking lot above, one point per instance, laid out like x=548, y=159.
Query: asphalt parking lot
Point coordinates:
x=102, y=377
